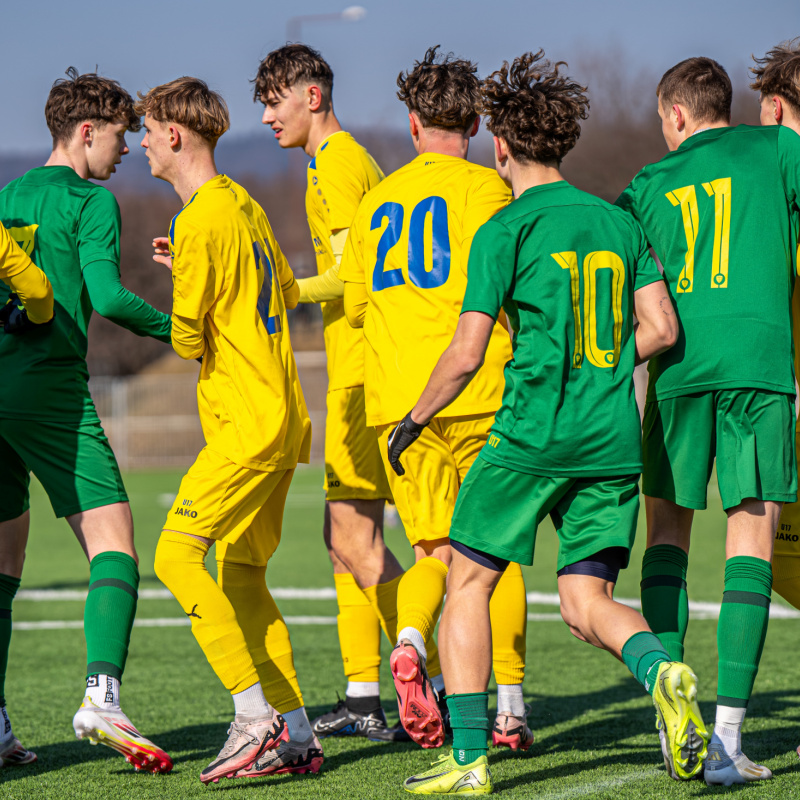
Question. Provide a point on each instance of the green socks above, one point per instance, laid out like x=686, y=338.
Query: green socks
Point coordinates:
x=742, y=627
x=109, y=612
x=8, y=588
x=643, y=654
x=665, y=604
x=469, y=719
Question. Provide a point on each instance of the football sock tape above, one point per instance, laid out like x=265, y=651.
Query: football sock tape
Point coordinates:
x=665, y=603
x=8, y=588
x=469, y=718
x=109, y=612
x=265, y=632
x=742, y=627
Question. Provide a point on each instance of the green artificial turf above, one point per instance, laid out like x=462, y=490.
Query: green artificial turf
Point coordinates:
x=594, y=725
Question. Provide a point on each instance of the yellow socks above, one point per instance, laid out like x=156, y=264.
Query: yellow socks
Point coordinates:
x=181, y=568
x=265, y=632
x=383, y=598
x=359, y=631
x=419, y=603
x=508, y=610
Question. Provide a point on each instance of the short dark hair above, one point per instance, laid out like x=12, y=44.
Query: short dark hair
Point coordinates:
x=779, y=73
x=702, y=85
x=78, y=98
x=189, y=102
x=443, y=90
x=534, y=109
x=289, y=65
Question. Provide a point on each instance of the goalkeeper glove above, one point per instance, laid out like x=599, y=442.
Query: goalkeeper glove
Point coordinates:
x=405, y=433
x=14, y=317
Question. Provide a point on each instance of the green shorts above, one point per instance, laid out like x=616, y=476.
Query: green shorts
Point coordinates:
x=749, y=431
x=72, y=460
x=498, y=511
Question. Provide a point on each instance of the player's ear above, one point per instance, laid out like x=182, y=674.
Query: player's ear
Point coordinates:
x=413, y=125
x=174, y=137
x=777, y=109
x=314, y=98
x=475, y=127
x=678, y=117
x=86, y=131
x=500, y=151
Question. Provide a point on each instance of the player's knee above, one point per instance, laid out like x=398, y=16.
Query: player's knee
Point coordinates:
x=174, y=554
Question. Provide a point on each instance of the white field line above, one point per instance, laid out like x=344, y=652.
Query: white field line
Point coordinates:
x=587, y=789
x=162, y=622
x=49, y=595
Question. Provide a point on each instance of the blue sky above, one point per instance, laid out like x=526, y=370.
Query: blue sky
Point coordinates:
x=148, y=42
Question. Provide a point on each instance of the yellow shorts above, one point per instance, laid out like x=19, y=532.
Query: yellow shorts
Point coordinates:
x=353, y=466
x=787, y=537
x=436, y=465
x=240, y=508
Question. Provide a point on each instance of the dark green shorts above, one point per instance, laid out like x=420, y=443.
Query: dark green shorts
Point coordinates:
x=74, y=462
x=750, y=432
x=498, y=511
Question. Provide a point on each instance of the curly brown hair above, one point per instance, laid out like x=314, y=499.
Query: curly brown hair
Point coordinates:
x=444, y=91
x=779, y=73
x=189, y=102
x=289, y=65
x=534, y=108
x=89, y=97
x=702, y=85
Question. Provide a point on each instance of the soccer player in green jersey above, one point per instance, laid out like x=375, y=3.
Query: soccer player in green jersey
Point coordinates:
x=720, y=212
x=570, y=271
x=48, y=423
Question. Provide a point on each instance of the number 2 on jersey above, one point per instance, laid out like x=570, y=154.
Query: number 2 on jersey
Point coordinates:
x=433, y=208
x=686, y=198
x=592, y=264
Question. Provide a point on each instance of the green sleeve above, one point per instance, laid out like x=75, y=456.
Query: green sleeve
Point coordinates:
x=99, y=228
x=490, y=270
x=789, y=161
x=647, y=271
x=627, y=201
x=113, y=301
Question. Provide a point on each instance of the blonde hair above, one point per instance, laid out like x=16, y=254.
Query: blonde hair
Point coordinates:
x=189, y=102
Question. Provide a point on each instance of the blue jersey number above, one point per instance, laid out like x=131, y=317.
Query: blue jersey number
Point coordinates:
x=272, y=324
x=440, y=244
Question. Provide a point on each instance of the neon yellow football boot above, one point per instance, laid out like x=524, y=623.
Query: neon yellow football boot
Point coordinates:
x=447, y=776
x=678, y=716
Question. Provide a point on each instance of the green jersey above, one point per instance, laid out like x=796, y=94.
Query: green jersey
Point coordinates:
x=564, y=265
x=721, y=215
x=64, y=223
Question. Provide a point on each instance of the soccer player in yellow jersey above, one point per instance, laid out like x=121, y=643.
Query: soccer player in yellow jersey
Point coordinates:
x=31, y=300
x=777, y=80
x=295, y=84
x=405, y=273
x=232, y=286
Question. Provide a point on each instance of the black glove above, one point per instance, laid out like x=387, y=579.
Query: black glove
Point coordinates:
x=406, y=433
x=14, y=317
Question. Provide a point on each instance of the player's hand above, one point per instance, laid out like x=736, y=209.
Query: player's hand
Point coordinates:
x=406, y=433
x=14, y=317
x=161, y=246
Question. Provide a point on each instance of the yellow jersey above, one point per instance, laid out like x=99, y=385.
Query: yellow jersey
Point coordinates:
x=339, y=175
x=24, y=278
x=409, y=245
x=232, y=285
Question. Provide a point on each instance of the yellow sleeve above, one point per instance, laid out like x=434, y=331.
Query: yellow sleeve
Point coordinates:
x=488, y=196
x=356, y=301
x=328, y=285
x=193, y=272
x=187, y=337
x=25, y=279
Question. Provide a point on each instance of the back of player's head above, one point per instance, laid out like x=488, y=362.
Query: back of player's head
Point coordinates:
x=188, y=102
x=292, y=65
x=89, y=97
x=701, y=85
x=444, y=91
x=778, y=73
x=534, y=108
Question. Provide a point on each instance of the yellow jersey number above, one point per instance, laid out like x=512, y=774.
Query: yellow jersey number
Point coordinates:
x=686, y=198
x=428, y=244
x=587, y=332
